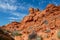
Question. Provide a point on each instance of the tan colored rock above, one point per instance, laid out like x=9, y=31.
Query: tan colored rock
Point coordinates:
x=36, y=10
x=31, y=10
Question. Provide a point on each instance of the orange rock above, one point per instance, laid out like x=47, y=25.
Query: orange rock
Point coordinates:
x=38, y=21
x=31, y=10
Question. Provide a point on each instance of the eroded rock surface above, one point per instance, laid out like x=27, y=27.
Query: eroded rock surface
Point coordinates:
x=45, y=23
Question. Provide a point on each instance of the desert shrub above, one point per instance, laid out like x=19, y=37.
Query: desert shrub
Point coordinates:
x=15, y=33
x=6, y=32
x=58, y=34
x=2, y=38
x=32, y=36
x=2, y=31
x=39, y=38
x=45, y=21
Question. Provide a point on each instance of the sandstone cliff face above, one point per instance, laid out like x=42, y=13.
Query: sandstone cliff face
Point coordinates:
x=45, y=23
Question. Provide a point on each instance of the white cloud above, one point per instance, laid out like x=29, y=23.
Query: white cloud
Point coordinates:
x=21, y=7
x=13, y=1
x=13, y=18
x=8, y=6
x=11, y=9
x=18, y=14
x=8, y=1
x=11, y=5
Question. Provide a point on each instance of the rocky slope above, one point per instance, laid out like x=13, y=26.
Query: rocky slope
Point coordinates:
x=4, y=35
x=38, y=25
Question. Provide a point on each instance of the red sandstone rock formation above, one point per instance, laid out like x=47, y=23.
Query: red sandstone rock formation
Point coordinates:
x=45, y=23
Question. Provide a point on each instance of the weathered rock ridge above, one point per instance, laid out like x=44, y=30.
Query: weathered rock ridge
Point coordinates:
x=45, y=23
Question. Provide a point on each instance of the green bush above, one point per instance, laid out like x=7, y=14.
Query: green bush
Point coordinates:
x=16, y=33
x=34, y=35
x=58, y=34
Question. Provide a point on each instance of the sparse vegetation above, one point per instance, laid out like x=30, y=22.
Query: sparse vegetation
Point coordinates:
x=16, y=33
x=39, y=38
x=58, y=34
x=2, y=38
x=4, y=35
x=45, y=22
x=33, y=35
x=47, y=30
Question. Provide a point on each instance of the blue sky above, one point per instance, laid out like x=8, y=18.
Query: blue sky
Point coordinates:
x=15, y=10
